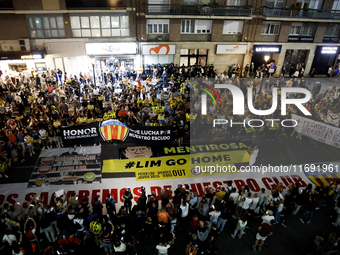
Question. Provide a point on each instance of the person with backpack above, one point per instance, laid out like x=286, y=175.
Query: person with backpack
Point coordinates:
x=98, y=207
x=71, y=244
x=78, y=223
x=96, y=230
x=191, y=249
x=127, y=197
x=110, y=206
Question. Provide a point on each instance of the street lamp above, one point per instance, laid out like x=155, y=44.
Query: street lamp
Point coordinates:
x=266, y=58
x=93, y=62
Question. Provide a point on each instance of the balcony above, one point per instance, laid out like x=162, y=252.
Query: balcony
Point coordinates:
x=202, y=10
x=300, y=14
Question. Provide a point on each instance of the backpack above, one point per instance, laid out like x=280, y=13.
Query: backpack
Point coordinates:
x=191, y=249
x=110, y=205
x=95, y=228
x=70, y=247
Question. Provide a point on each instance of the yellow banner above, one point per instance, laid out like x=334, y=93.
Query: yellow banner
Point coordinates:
x=171, y=167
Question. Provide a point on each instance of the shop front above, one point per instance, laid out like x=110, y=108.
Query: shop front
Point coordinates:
x=14, y=63
x=295, y=58
x=158, y=54
x=110, y=56
x=265, y=54
x=325, y=56
x=227, y=55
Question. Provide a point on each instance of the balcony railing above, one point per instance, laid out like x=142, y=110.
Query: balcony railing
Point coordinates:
x=302, y=14
x=199, y=10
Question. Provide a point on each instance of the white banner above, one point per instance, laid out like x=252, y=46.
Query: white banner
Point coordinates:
x=159, y=49
x=12, y=193
x=231, y=49
x=110, y=48
x=318, y=131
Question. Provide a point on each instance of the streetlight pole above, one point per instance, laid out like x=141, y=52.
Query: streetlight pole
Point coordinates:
x=93, y=61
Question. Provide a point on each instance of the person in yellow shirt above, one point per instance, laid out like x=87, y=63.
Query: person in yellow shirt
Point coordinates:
x=182, y=90
x=139, y=103
x=161, y=118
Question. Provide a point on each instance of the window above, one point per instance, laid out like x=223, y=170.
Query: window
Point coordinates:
x=193, y=56
x=159, y=6
x=237, y=2
x=191, y=26
x=310, y=4
x=336, y=5
x=157, y=26
x=302, y=29
x=270, y=28
x=295, y=28
x=6, y=4
x=276, y=3
x=333, y=30
x=99, y=26
x=46, y=26
x=232, y=27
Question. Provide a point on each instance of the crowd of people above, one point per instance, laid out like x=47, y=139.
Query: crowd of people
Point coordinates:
x=34, y=106
x=68, y=225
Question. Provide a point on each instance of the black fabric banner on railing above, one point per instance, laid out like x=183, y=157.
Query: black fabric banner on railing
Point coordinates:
x=115, y=130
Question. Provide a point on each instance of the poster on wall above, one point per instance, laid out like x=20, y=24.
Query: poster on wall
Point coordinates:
x=67, y=166
x=115, y=130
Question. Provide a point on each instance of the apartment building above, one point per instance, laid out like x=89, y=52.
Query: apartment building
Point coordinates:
x=75, y=35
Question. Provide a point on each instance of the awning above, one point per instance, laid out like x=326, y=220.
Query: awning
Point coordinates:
x=22, y=55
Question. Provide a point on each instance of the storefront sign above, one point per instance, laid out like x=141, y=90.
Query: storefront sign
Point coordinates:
x=40, y=66
x=110, y=48
x=231, y=49
x=330, y=40
x=161, y=49
x=329, y=50
x=114, y=130
x=300, y=38
x=267, y=49
x=62, y=166
x=31, y=56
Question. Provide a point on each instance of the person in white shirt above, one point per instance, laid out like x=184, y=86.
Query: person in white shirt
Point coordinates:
x=240, y=227
x=255, y=203
x=185, y=209
x=234, y=195
x=267, y=217
x=119, y=247
x=163, y=248
x=214, y=215
x=246, y=203
x=9, y=237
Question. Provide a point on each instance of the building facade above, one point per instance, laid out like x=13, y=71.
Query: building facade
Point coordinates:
x=74, y=35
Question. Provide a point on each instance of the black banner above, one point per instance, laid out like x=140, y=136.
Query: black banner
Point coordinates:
x=62, y=166
x=301, y=39
x=330, y=40
x=115, y=130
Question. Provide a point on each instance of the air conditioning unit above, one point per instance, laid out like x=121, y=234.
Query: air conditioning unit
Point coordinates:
x=24, y=45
